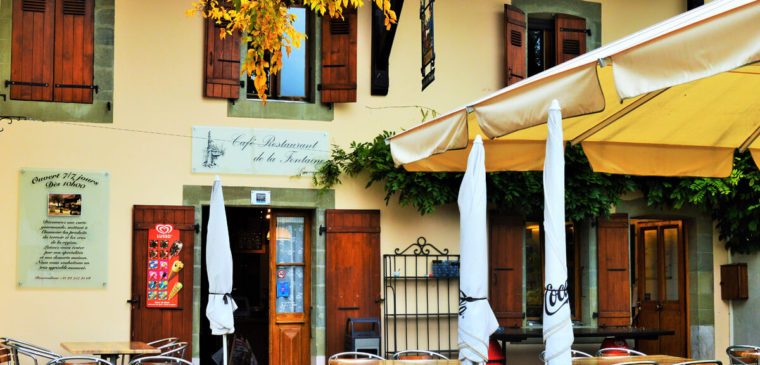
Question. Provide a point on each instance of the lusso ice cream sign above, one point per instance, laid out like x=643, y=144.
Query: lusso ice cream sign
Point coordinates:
x=164, y=267
x=258, y=151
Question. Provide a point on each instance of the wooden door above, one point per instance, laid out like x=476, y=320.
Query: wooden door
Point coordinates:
x=352, y=278
x=150, y=324
x=505, y=260
x=613, y=284
x=662, y=285
x=290, y=288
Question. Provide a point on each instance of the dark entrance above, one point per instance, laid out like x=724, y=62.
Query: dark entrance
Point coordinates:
x=249, y=242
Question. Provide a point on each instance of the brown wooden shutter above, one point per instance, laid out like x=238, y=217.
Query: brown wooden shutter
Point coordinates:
x=570, y=33
x=339, y=58
x=613, y=286
x=74, y=39
x=152, y=323
x=222, y=66
x=505, y=251
x=352, y=278
x=32, y=49
x=514, y=50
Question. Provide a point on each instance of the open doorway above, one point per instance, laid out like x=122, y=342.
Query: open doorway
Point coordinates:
x=249, y=241
x=660, y=283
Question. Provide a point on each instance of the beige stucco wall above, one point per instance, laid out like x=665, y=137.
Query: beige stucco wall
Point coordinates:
x=157, y=89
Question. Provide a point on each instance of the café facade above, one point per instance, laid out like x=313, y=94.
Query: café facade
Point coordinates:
x=114, y=123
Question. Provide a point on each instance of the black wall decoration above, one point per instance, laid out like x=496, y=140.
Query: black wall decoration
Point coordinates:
x=428, y=53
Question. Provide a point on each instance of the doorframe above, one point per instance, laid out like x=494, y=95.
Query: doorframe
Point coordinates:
x=240, y=196
x=684, y=267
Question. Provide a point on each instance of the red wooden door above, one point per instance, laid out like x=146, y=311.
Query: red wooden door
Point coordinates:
x=352, y=278
x=613, y=273
x=505, y=255
x=662, y=285
x=150, y=324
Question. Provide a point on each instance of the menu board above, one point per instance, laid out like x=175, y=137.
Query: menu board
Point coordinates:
x=63, y=228
x=163, y=266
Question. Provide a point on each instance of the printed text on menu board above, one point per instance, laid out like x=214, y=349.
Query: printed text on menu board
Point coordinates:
x=164, y=267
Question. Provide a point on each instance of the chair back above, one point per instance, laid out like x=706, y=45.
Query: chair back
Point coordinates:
x=18, y=347
x=159, y=360
x=574, y=354
x=715, y=362
x=5, y=354
x=176, y=349
x=418, y=355
x=356, y=355
x=163, y=342
x=618, y=351
x=78, y=360
x=734, y=353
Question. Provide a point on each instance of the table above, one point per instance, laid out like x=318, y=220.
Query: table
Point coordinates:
x=391, y=362
x=109, y=350
x=610, y=360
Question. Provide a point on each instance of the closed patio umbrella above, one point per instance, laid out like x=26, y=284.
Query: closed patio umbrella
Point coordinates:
x=476, y=319
x=675, y=99
x=557, y=325
x=219, y=269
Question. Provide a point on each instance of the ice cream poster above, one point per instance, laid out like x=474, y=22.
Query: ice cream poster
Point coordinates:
x=164, y=267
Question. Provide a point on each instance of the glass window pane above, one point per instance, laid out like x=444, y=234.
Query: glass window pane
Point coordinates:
x=289, y=289
x=534, y=279
x=671, y=263
x=290, y=240
x=650, y=265
x=293, y=72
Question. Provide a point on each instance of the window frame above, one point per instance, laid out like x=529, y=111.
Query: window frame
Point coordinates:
x=274, y=84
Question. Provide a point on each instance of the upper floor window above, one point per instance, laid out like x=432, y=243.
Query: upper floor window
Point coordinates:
x=52, y=51
x=292, y=82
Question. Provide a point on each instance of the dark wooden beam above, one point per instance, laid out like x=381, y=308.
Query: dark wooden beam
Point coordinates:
x=382, y=41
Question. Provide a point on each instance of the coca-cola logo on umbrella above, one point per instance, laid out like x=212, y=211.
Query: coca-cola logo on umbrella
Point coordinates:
x=164, y=228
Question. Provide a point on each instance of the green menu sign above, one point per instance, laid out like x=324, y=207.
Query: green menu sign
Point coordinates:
x=63, y=228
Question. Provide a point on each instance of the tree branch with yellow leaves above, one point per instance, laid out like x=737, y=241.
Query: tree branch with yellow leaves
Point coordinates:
x=268, y=29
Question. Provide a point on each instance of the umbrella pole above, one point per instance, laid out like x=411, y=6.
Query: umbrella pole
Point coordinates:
x=224, y=349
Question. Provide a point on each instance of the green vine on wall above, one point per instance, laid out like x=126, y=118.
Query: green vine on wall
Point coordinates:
x=733, y=202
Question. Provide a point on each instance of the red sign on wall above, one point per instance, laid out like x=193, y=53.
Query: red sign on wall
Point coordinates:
x=164, y=267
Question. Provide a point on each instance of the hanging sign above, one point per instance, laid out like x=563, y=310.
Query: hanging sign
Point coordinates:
x=163, y=266
x=428, y=52
x=63, y=228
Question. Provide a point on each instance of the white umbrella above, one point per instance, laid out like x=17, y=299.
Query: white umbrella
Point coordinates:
x=558, y=328
x=476, y=319
x=219, y=269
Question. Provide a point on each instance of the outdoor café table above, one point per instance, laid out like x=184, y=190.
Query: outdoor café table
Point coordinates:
x=610, y=360
x=391, y=362
x=109, y=350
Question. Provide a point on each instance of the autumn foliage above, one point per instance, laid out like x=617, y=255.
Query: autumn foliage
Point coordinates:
x=268, y=28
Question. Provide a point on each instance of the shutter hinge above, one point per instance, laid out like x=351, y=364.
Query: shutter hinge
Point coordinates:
x=319, y=87
x=197, y=228
x=91, y=87
x=587, y=31
x=3, y=95
x=23, y=83
x=322, y=229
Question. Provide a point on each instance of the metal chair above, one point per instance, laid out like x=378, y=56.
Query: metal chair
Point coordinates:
x=78, y=360
x=609, y=352
x=18, y=347
x=163, y=342
x=159, y=360
x=176, y=349
x=356, y=354
x=716, y=362
x=574, y=354
x=426, y=355
x=734, y=351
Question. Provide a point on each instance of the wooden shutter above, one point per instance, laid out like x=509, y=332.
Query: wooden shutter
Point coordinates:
x=74, y=38
x=148, y=324
x=32, y=49
x=339, y=58
x=613, y=286
x=222, y=66
x=514, y=50
x=505, y=253
x=570, y=33
x=352, y=278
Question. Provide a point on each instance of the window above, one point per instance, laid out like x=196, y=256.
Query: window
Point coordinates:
x=292, y=81
x=52, y=51
x=534, y=270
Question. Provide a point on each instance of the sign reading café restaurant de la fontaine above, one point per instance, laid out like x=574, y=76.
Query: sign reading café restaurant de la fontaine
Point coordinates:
x=258, y=151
